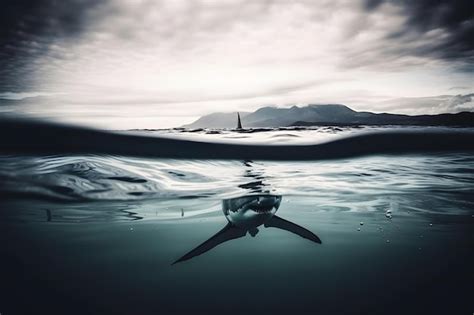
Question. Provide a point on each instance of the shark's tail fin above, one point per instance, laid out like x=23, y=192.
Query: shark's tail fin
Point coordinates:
x=283, y=224
x=229, y=232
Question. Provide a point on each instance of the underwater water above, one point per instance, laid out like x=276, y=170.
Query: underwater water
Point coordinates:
x=103, y=233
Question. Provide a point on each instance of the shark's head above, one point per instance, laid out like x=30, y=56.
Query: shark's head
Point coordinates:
x=248, y=212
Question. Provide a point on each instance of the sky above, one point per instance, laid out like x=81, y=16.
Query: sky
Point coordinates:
x=123, y=64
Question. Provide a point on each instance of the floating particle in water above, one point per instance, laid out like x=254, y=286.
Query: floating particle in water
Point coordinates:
x=358, y=229
x=388, y=241
x=361, y=223
x=421, y=236
x=131, y=229
x=431, y=224
x=48, y=215
x=182, y=212
x=388, y=214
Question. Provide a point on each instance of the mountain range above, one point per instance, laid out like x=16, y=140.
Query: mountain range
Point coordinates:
x=328, y=114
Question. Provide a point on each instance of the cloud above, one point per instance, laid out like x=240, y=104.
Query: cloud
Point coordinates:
x=30, y=29
x=459, y=88
x=23, y=95
x=428, y=105
x=445, y=29
x=458, y=103
x=177, y=57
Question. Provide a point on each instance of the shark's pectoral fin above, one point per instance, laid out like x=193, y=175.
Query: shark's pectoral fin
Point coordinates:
x=229, y=232
x=283, y=224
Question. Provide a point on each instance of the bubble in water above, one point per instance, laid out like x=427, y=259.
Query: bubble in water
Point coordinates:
x=131, y=229
x=431, y=224
x=358, y=229
x=388, y=241
x=361, y=223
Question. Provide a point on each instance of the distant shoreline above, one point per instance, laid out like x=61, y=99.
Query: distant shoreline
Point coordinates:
x=326, y=115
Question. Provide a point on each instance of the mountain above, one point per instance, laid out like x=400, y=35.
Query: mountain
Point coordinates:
x=330, y=114
x=458, y=119
x=274, y=117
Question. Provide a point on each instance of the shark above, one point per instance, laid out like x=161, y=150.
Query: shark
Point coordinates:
x=245, y=215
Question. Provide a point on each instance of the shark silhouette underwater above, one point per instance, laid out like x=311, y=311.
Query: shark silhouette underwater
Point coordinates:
x=244, y=215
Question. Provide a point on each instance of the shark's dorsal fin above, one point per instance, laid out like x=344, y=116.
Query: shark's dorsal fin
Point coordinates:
x=229, y=232
x=239, y=122
x=283, y=224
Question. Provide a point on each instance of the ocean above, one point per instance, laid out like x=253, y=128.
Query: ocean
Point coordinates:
x=382, y=224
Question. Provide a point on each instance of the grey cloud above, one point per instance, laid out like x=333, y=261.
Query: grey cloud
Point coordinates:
x=30, y=29
x=429, y=105
x=78, y=46
x=458, y=103
x=114, y=97
x=454, y=19
x=45, y=28
x=459, y=88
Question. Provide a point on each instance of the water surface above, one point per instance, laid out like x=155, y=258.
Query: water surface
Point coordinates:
x=98, y=233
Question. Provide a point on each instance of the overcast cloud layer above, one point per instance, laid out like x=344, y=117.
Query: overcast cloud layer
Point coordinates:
x=132, y=64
